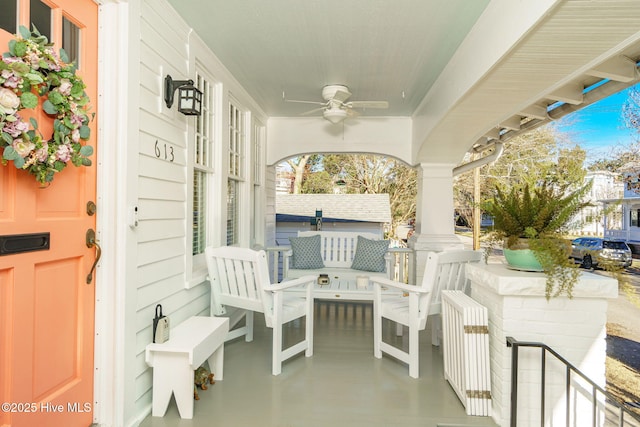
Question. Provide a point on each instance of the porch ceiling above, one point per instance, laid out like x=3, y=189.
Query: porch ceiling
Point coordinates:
x=465, y=71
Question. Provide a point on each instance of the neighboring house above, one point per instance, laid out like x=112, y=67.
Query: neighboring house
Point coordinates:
x=624, y=221
x=590, y=220
x=367, y=213
x=284, y=179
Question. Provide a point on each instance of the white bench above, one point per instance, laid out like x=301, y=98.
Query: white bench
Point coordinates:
x=174, y=361
x=338, y=249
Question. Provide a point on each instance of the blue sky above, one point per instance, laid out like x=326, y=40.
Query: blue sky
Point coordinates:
x=598, y=127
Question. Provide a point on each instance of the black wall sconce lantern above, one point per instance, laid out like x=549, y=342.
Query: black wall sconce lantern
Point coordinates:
x=189, y=97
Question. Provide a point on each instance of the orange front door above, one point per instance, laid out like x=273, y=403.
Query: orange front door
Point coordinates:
x=46, y=306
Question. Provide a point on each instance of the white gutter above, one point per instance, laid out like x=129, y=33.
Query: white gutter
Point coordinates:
x=495, y=149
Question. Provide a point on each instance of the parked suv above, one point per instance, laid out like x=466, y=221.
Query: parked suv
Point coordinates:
x=590, y=251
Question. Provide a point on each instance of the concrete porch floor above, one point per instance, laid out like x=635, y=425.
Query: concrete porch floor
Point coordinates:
x=341, y=385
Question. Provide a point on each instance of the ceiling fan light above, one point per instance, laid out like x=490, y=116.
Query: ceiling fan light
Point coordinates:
x=335, y=115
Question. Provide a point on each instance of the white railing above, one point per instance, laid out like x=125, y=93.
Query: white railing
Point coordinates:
x=275, y=256
x=401, y=263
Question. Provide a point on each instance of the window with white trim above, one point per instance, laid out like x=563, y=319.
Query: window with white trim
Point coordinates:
x=235, y=176
x=203, y=161
x=257, y=143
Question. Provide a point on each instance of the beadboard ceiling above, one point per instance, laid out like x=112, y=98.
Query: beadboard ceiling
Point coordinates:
x=380, y=49
x=465, y=71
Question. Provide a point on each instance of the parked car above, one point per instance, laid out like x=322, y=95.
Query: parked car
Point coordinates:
x=590, y=251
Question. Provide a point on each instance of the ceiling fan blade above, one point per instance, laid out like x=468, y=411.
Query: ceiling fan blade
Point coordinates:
x=342, y=95
x=306, y=102
x=367, y=104
x=312, y=111
x=352, y=113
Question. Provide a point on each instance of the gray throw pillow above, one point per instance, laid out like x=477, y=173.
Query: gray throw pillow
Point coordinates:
x=306, y=252
x=370, y=255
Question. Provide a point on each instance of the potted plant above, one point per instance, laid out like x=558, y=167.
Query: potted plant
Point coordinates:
x=531, y=221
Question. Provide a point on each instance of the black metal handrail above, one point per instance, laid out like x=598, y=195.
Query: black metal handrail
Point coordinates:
x=515, y=344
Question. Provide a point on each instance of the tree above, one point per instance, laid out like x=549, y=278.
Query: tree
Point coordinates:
x=403, y=190
x=359, y=173
x=318, y=183
x=540, y=155
x=630, y=152
x=371, y=174
x=631, y=110
x=618, y=156
x=623, y=153
x=298, y=164
x=362, y=173
x=302, y=166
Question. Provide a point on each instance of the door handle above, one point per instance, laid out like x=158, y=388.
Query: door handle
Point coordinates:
x=90, y=240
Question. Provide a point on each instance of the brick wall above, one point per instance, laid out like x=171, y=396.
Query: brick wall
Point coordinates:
x=575, y=328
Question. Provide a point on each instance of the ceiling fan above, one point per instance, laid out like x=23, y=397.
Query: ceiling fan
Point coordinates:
x=336, y=108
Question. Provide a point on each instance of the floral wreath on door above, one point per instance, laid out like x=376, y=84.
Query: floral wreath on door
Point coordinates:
x=33, y=75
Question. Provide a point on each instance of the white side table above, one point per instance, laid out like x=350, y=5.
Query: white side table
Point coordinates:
x=194, y=340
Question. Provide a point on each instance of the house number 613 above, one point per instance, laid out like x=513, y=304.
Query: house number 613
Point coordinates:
x=164, y=152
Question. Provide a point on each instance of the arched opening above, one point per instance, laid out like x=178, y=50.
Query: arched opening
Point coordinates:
x=384, y=187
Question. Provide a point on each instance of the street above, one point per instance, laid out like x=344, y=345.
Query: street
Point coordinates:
x=623, y=315
x=621, y=311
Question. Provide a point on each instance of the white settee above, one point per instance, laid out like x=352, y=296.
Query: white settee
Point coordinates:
x=340, y=255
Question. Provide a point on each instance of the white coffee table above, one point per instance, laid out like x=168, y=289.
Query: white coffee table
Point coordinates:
x=341, y=289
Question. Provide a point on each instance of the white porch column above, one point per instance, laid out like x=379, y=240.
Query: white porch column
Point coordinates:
x=575, y=328
x=435, y=228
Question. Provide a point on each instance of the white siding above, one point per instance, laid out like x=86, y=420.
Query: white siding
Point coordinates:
x=162, y=189
x=162, y=192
